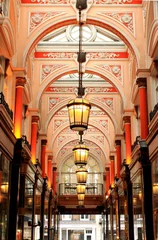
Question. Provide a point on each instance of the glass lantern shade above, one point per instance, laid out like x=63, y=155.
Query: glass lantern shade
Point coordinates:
x=81, y=175
x=79, y=110
x=80, y=197
x=80, y=154
x=80, y=203
x=155, y=188
x=81, y=188
x=4, y=187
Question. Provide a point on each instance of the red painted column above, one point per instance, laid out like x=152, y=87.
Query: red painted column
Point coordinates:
x=107, y=179
x=141, y=82
x=118, y=156
x=127, y=124
x=20, y=82
x=112, y=171
x=49, y=170
x=54, y=179
x=43, y=154
x=34, y=129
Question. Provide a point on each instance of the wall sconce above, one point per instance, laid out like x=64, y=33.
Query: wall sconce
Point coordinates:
x=81, y=188
x=155, y=188
x=4, y=187
x=81, y=175
x=80, y=152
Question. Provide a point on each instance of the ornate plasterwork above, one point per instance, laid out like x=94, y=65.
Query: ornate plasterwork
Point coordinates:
x=59, y=122
x=62, y=113
x=61, y=89
x=125, y=18
x=104, y=123
x=108, y=101
x=54, y=101
x=116, y=70
x=62, y=139
x=97, y=113
x=101, y=90
x=89, y=55
x=36, y=18
x=46, y=70
x=117, y=2
x=46, y=1
x=99, y=138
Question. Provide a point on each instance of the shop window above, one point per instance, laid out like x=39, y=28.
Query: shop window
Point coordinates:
x=138, y=208
x=66, y=217
x=155, y=195
x=4, y=197
x=84, y=217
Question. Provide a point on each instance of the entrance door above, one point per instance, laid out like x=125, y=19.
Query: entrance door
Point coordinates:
x=89, y=237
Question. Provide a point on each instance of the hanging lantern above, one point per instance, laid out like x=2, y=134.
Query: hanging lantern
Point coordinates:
x=81, y=197
x=81, y=188
x=80, y=203
x=80, y=154
x=79, y=110
x=81, y=175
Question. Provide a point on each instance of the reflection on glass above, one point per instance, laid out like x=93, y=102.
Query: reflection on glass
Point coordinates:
x=4, y=198
x=137, y=209
x=155, y=196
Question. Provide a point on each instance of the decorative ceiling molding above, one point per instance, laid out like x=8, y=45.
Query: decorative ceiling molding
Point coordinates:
x=108, y=101
x=53, y=101
x=117, y=2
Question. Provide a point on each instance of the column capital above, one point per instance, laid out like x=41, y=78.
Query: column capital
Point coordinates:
x=141, y=82
x=107, y=169
x=35, y=119
x=127, y=119
x=118, y=142
x=54, y=169
x=43, y=142
x=20, y=81
x=112, y=158
x=50, y=157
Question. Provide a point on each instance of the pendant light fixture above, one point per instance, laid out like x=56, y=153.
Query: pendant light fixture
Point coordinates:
x=80, y=188
x=81, y=175
x=80, y=152
x=79, y=108
x=81, y=197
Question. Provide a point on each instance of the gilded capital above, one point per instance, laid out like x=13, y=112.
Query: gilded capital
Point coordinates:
x=112, y=158
x=118, y=142
x=35, y=119
x=20, y=81
x=43, y=142
x=107, y=169
x=127, y=119
x=141, y=82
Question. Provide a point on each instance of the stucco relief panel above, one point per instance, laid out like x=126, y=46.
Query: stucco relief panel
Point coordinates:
x=46, y=1
x=108, y=101
x=46, y=70
x=36, y=18
x=125, y=18
x=116, y=70
x=58, y=123
x=53, y=101
x=61, y=89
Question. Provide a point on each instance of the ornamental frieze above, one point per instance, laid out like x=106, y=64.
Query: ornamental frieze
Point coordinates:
x=99, y=139
x=36, y=18
x=54, y=101
x=100, y=90
x=97, y=113
x=120, y=2
x=49, y=69
x=45, y=1
x=116, y=70
x=89, y=55
x=61, y=89
x=62, y=139
x=104, y=123
x=124, y=18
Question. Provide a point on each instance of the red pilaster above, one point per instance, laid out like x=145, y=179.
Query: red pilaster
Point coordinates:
x=34, y=129
x=127, y=123
x=112, y=171
x=20, y=82
x=43, y=154
x=107, y=179
x=49, y=170
x=118, y=156
x=143, y=107
x=54, y=179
